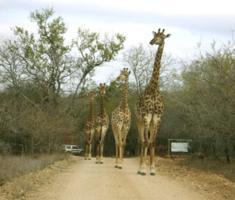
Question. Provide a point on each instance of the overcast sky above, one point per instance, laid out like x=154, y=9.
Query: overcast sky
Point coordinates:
x=189, y=22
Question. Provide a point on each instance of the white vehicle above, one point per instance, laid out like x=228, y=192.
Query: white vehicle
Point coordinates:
x=73, y=149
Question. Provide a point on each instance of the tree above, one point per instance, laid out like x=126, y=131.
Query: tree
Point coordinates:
x=36, y=70
x=93, y=52
x=10, y=67
x=141, y=59
x=208, y=99
x=44, y=56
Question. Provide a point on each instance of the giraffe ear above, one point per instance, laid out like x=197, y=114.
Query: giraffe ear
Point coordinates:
x=154, y=33
x=168, y=35
x=129, y=72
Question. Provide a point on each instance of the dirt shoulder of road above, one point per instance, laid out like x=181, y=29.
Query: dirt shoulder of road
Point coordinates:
x=213, y=178
x=18, y=188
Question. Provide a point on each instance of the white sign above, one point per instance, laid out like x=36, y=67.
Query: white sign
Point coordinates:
x=179, y=146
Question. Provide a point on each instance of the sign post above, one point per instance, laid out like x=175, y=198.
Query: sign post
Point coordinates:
x=179, y=146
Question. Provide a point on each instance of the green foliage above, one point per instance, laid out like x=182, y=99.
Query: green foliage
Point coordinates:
x=202, y=107
x=43, y=77
x=93, y=52
x=44, y=56
x=37, y=69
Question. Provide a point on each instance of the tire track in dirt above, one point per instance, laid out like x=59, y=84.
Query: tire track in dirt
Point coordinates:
x=86, y=180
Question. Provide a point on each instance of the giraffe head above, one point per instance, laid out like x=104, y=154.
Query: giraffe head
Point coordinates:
x=102, y=89
x=159, y=37
x=123, y=75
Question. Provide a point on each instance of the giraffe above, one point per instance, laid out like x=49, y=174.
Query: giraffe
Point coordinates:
x=89, y=126
x=121, y=119
x=149, y=109
x=102, y=124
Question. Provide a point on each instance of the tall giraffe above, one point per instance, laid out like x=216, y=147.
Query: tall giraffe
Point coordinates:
x=89, y=126
x=149, y=109
x=121, y=118
x=102, y=124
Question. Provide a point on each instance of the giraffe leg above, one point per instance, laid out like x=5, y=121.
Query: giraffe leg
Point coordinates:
x=101, y=152
x=120, y=148
x=103, y=133
x=123, y=140
x=89, y=154
x=99, y=141
x=116, y=159
x=152, y=148
x=85, y=155
x=141, y=158
x=90, y=144
x=117, y=139
x=140, y=126
x=147, y=120
x=145, y=151
x=116, y=144
x=154, y=129
x=97, y=152
x=152, y=160
x=123, y=150
x=120, y=156
x=85, y=152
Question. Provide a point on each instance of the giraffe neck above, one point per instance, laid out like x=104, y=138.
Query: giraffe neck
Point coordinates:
x=154, y=81
x=91, y=114
x=102, y=110
x=124, y=97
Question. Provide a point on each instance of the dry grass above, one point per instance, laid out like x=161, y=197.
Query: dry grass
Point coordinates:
x=13, y=166
x=212, y=177
x=21, y=187
x=219, y=167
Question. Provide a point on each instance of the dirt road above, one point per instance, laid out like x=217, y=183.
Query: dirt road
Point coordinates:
x=85, y=180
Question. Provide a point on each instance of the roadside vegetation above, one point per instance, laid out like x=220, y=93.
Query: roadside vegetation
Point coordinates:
x=13, y=166
x=44, y=79
x=213, y=177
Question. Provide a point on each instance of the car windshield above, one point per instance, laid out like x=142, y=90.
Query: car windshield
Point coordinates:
x=74, y=147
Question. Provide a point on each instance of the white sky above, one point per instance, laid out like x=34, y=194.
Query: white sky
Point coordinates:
x=189, y=22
